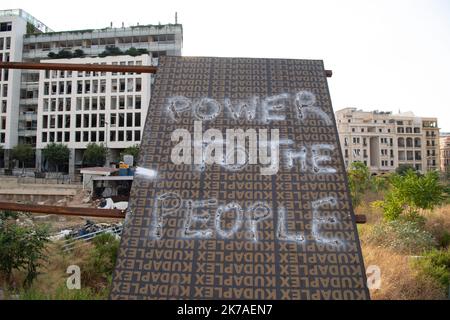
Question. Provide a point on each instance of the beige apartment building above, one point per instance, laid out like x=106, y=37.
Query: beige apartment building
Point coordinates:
x=384, y=141
x=444, y=145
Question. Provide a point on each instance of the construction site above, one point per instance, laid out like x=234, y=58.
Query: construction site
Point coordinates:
x=230, y=183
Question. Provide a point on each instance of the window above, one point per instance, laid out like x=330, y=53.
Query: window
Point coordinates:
x=101, y=136
x=137, y=102
x=87, y=102
x=4, y=106
x=121, y=102
x=93, y=136
x=44, y=136
x=94, y=121
x=66, y=136
x=8, y=43
x=113, y=120
x=68, y=104
x=103, y=86
x=77, y=136
x=85, y=121
x=122, y=85
x=85, y=136
x=67, y=121
x=129, y=135
x=138, y=84
x=113, y=103
x=130, y=86
x=45, y=122
x=5, y=91
x=137, y=119
x=112, y=136
x=79, y=104
x=129, y=102
x=120, y=136
x=121, y=120
x=5, y=26
x=102, y=103
x=129, y=119
x=137, y=135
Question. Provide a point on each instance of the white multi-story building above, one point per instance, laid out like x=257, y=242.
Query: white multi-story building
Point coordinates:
x=78, y=108
x=24, y=38
x=384, y=141
x=14, y=24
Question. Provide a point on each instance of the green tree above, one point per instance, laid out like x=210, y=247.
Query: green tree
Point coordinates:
x=410, y=193
x=57, y=154
x=78, y=53
x=358, y=179
x=133, y=151
x=95, y=154
x=23, y=153
x=21, y=248
x=404, y=168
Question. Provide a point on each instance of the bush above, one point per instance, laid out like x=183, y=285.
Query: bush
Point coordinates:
x=410, y=193
x=97, y=272
x=436, y=264
x=402, y=236
x=21, y=248
x=62, y=293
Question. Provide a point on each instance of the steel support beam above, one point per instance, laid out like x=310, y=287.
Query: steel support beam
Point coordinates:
x=63, y=211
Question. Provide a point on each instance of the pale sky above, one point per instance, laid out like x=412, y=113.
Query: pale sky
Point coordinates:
x=386, y=55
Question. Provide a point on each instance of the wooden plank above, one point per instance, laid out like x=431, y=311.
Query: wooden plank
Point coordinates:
x=64, y=211
x=77, y=67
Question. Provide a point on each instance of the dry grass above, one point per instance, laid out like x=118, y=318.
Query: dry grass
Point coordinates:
x=399, y=280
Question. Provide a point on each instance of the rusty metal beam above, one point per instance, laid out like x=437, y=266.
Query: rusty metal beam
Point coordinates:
x=77, y=67
x=63, y=211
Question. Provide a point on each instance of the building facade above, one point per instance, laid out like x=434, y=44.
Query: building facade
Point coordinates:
x=78, y=108
x=29, y=40
x=444, y=146
x=384, y=141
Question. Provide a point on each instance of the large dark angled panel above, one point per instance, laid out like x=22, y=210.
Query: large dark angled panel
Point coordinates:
x=254, y=219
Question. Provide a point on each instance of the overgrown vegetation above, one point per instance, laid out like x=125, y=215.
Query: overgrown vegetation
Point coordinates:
x=22, y=248
x=436, y=264
x=408, y=233
x=410, y=193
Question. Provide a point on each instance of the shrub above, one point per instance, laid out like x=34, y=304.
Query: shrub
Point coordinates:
x=402, y=236
x=436, y=264
x=95, y=154
x=97, y=271
x=410, y=193
x=62, y=293
x=21, y=248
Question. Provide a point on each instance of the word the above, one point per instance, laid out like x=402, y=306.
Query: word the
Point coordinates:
x=208, y=148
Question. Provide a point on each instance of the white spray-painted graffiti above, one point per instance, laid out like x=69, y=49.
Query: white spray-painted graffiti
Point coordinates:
x=207, y=148
x=263, y=110
x=171, y=203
